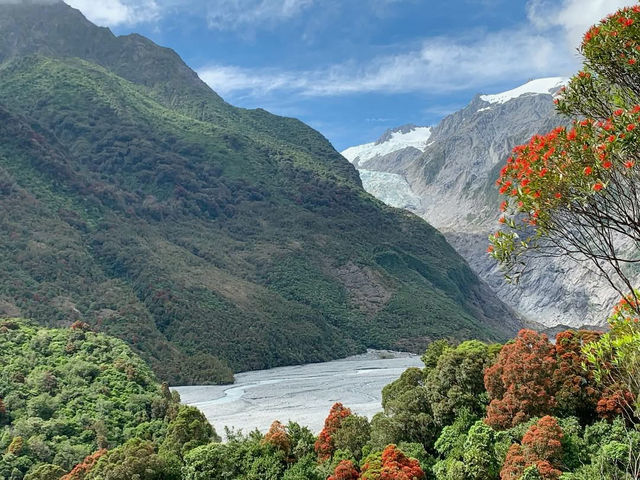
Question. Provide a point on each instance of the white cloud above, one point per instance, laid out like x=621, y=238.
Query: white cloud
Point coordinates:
x=219, y=14
x=236, y=14
x=440, y=65
x=117, y=12
x=573, y=17
x=545, y=46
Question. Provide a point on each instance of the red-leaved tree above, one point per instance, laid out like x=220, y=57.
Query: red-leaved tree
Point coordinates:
x=541, y=447
x=278, y=437
x=533, y=377
x=397, y=466
x=324, y=445
x=520, y=383
x=80, y=471
x=345, y=470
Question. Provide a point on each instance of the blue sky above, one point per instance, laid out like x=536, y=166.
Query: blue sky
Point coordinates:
x=353, y=68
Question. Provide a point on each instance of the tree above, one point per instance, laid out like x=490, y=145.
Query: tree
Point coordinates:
x=480, y=463
x=3, y=411
x=324, y=445
x=278, y=438
x=391, y=464
x=302, y=440
x=574, y=191
x=345, y=471
x=188, y=430
x=209, y=462
x=305, y=468
x=397, y=466
x=520, y=383
x=539, y=454
x=456, y=382
x=352, y=434
x=80, y=471
x=615, y=359
x=135, y=459
x=45, y=472
x=577, y=392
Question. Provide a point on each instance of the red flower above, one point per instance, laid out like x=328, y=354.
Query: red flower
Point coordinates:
x=629, y=164
x=607, y=164
x=588, y=170
x=631, y=127
x=558, y=195
x=598, y=186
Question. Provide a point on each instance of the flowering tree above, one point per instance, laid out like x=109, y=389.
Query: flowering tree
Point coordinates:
x=80, y=471
x=325, y=444
x=575, y=191
x=277, y=437
x=520, y=383
x=540, y=451
x=392, y=464
x=345, y=470
x=533, y=377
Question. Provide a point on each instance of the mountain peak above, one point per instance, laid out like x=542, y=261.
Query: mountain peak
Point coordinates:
x=540, y=86
x=393, y=140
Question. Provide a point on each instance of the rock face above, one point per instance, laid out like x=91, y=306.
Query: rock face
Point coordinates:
x=452, y=174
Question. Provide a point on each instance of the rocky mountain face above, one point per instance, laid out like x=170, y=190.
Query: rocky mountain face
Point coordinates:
x=449, y=179
x=211, y=238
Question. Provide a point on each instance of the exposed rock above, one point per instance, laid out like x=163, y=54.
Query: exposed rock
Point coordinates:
x=365, y=286
x=454, y=179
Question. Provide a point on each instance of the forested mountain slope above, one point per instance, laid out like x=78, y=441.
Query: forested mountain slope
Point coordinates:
x=212, y=239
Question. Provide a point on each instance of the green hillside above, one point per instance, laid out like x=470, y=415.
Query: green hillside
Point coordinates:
x=211, y=239
x=64, y=394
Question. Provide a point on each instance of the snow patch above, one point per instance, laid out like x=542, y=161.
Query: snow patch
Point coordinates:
x=416, y=138
x=541, y=86
x=483, y=109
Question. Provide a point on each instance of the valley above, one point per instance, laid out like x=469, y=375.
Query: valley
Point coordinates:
x=302, y=394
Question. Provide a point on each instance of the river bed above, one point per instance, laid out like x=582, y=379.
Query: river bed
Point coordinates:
x=301, y=393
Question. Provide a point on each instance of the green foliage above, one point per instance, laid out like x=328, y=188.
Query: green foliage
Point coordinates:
x=352, y=435
x=305, y=468
x=45, y=472
x=246, y=457
x=208, y=462
x=68, y=393
x=456, y=382
x=136, y=459
x=188, y=430
x=302, y=440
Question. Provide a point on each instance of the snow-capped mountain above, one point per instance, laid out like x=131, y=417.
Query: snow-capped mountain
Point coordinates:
x=401, y=138
x=453, y=176
x=540, y=86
